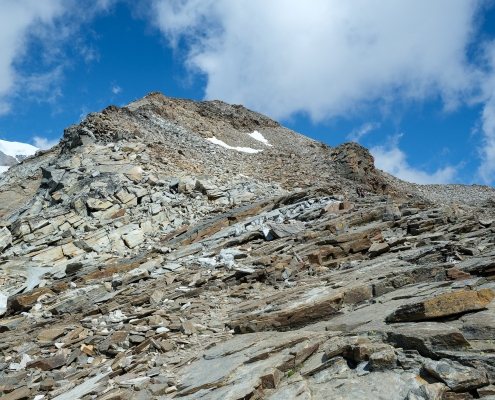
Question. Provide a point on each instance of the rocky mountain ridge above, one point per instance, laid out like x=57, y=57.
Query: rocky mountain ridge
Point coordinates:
x=199, y=250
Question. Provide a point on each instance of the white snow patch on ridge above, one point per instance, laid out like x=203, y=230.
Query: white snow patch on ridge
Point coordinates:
x=259, y=137
x=214, y=140
x=3, y=168
x=17, y=149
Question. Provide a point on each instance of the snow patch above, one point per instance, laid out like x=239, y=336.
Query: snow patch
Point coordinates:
x=259, y=137
x=3, y=169
x=17, y=149
x=214, y=140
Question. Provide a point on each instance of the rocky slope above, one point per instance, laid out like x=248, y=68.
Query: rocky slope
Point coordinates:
x=176, y=249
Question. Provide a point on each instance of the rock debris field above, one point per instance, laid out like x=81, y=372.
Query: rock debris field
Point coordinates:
x=150, y=256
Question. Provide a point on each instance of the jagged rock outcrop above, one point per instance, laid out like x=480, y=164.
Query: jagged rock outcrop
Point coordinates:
x=356, y=163
x=175, y=249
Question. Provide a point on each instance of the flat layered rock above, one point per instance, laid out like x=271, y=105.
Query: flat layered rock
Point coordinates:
x=288, y=311
x=427, y=337
x=460, y=301
x=456, y=376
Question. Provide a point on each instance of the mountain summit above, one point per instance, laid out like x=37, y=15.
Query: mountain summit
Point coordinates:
x=200, y=250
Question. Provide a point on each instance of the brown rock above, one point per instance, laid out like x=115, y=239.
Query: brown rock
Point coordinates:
x=187, y=328
x=118, y=214
x=50, y=335
x=26, y=300
x=345, y=205
x=21, y=393
x=296, y=313
x=446, y=304
x=60, y=287
x=88, y=349
x=49, y=255
x=47, y=384
x=47, y=364
x=332, y=208
x=456, y=275
x=356, y=246
x=271, y=378
x=358, y=294
x=378, y=248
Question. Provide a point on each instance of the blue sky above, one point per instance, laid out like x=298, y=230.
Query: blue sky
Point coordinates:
x=412, y=81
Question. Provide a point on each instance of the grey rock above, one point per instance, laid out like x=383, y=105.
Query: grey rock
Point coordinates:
x=456, y=376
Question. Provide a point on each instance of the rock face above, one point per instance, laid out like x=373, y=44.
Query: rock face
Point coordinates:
x=357, y=163
x=139, y=259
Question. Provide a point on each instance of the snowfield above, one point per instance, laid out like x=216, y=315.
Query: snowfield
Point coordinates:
x=17, y=149
x=259, y=137
x=214, y=140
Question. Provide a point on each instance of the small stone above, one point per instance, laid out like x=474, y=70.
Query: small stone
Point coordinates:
x=134, y=238
x=158, y=389
x=187, y=328
x=136, y=338
x=47, y=384
x=167, y=345
x=383, y=360
x=156, y=297
x=378, y=248
x=271, y=378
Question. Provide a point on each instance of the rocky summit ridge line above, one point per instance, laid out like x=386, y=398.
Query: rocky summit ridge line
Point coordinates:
x=199, y=250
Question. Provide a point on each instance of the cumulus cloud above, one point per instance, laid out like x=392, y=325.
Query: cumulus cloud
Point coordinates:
x=357, y=133
x=44, y=143
x=48, y=23
x=324, y=57
x=17, y=18
x=393, y=160
x=486, y=171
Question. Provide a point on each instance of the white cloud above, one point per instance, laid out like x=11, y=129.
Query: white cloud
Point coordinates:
x=50, y=24
x=486, y=171
x=44, y=143
x=357, y=133
x=393, y=160
x=17, y=20
x=116, y=89
x=324, y=57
